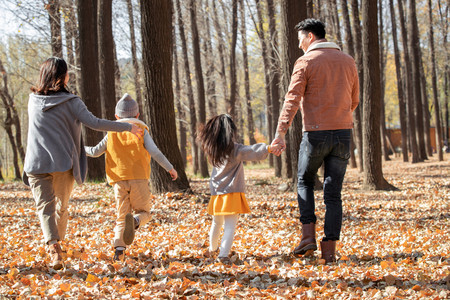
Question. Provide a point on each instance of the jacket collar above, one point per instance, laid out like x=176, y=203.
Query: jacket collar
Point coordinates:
x=321, y=44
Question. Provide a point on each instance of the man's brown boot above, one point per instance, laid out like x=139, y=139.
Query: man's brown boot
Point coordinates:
x=308, y=241
x=56, y=256
x=328, y=249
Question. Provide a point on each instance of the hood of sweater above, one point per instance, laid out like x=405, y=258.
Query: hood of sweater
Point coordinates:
x=321, y=44
x=46, y=102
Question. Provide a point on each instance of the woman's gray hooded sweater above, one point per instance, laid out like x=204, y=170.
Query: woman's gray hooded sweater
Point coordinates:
x=54, y=141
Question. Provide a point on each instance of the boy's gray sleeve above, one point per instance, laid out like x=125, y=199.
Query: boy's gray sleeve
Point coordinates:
x=97, y=150
x=252, y=152
x=155, y=152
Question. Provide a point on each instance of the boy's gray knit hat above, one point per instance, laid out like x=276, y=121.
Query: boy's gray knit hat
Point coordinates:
x=127, y=107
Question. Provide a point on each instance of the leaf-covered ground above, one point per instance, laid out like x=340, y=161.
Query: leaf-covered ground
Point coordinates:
x=394, y=245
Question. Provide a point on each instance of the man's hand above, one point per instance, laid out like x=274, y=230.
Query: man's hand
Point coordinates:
x=278, y=145
x=136, y=130
x=173, y=173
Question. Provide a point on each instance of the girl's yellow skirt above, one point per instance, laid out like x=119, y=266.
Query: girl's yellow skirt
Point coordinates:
x=228, y=204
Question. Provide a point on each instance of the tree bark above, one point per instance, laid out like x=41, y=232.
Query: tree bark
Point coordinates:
x=373, y=174
x=137, y=73
x=70, y=30
x=415, y=157
x=89, y=89
x=200, y=83
x=335, y=17
x=231, y=109
x=266, y=62
x=425, y=108
x=180, y=107
x=209, y=58
x=54, y=16
x=11, y=120
x=384, y=146
x=414, y=45
x=292, y=11
x=248, y=97
x=357, y=114
x=348, y=47
x=400, y=84
x=437, y=119
x=106, y=58
x=274, y=75
x=157, y=53
x=190, y=93
x=221, y=48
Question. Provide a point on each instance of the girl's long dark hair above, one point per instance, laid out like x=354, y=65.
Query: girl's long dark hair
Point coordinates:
x=51, y=77
x=217, y=138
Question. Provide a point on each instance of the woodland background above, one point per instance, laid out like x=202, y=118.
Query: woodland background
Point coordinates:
x=185, y=61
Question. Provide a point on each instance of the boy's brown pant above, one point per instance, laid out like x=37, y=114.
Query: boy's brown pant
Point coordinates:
x=51, y=192
x=131, y=195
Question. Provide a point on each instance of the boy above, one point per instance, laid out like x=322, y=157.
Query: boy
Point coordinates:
x=128, y=171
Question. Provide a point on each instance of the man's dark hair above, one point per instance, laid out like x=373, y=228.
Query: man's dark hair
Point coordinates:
x=314, y=26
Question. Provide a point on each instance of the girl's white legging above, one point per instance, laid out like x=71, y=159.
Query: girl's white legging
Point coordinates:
x=228, y=233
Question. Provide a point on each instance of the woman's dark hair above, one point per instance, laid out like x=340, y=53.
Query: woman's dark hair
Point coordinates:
x=314, y=26
x=51, y=77
x=217, y=138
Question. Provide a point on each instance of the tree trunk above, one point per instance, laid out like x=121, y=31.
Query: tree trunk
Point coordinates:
x=209, y=58
x=373, y=174
x=274, y=76
x=335, y=17
x=292, y=11
x=179, y=105
x=190, y=93
x=118, y=89
x=400, y=83
x=414, y=45
x=425, y=108
x=233, y=76
x=137, y=73
x=89, y=89
x=222, y=50
x=157, y=52
x=70, y=30
x=384, y=146
x=266, y=62
x=11, y=120
x=200, y=83
x=437, y=120
x=54, y=16
x=356, y=32
x=415, y=157
x=248, y=97
x=106, y=58
x=349, y=48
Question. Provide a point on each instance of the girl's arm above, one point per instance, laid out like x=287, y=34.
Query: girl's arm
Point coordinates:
x=97, y=150
x=252, y=152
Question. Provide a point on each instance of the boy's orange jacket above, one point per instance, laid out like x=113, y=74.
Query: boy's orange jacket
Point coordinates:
x=126, y=157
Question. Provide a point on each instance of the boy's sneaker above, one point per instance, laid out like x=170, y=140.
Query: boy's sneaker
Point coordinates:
x=130, y=227
x=119, y=255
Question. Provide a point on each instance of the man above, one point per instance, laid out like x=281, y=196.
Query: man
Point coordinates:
x=325, y=85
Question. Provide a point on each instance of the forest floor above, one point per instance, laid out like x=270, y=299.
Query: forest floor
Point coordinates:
x=394, y=244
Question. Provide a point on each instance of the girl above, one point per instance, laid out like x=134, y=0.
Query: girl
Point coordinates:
x=55, y=155
x=227, y=184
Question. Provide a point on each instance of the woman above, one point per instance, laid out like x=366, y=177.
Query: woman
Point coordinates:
x=55, y=156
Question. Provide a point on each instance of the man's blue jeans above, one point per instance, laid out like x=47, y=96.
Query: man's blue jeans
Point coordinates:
x=331, y=147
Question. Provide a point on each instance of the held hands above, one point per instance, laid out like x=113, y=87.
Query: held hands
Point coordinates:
x=136, y=130
x=278, y=145
x=173, y=173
